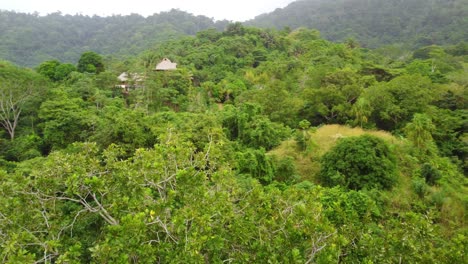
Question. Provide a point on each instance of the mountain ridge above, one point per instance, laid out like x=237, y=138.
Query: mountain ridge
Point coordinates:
x=376, y=22
x=29, y=39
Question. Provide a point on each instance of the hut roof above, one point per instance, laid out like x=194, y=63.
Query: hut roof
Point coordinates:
x=123, y=77
x=166, y=65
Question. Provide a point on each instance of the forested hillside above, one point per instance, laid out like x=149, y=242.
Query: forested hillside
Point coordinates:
x=29, y=39
x=263, y=146
x=374, y=23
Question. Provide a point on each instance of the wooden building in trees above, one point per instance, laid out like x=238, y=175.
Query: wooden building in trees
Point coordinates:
x=130, y=81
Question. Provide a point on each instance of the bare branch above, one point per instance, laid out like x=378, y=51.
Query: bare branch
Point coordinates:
x=317, y=246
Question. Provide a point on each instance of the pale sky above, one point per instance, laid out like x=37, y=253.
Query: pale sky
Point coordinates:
x=235, y=10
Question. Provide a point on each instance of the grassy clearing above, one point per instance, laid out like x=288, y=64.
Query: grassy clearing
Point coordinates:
x=321, y=141
x=326, y=136
x=449, y=196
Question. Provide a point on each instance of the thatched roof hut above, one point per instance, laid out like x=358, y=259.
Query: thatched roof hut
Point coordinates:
x=123, y=77
x=166, y=65
x=135, y=77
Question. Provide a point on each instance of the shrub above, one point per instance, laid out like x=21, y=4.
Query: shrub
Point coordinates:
x=419, y=186
x=430, y=174
x=285, y=169
x=363, y=162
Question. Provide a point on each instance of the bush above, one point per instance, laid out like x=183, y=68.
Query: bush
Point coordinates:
x=345, y=208
x=430, y=174
x=363, y=162
x=285, y=169
x=419, y=186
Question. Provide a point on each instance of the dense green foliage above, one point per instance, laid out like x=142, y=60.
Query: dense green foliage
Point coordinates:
x=374, y=23
x=364, y=162
x=90, y=62
x=20, y=92
x=190, y=165
x=29, y=39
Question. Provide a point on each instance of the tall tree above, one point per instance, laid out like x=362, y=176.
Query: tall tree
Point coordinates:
x=17, y=88
x=90, y=62
x=11, y=104
x=419, y=132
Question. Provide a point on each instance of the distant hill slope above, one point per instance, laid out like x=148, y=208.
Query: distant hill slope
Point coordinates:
x=376, y=22
x=29, y=39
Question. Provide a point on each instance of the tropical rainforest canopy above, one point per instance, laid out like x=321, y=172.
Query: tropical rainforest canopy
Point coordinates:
x=263, y=146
